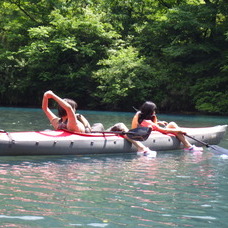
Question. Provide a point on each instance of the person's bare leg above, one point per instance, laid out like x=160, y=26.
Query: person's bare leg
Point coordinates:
x=122, y=127
x=140, y=147
x=180, y=136
x=172, y=125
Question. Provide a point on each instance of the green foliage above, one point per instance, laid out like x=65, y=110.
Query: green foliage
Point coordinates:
x=211, y=94
x=118, y=77
x=189, y=43
x=213, y=102
x=62, y=54
x=116, y=54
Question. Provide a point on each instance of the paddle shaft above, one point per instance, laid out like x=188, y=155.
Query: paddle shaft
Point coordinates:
x=137, y=134
x=113, y=132
x=203, y=143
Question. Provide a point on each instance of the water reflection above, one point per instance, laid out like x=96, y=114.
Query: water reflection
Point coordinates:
x=175, y=189
x=148, y=191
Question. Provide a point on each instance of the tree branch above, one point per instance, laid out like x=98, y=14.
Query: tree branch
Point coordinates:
x=18, y=4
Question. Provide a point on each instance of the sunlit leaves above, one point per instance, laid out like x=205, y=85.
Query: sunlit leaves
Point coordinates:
x=118, y=53
x=39, y=32
x=118, y=74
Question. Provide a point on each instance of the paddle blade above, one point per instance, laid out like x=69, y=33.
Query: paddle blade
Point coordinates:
x=218, y=149
x=213, y=148
x=139, y=134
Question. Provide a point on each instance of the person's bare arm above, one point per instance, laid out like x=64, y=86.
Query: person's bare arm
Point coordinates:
x=50, y=115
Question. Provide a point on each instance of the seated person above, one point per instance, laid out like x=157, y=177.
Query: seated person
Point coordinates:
x=66, y=119
x=146, y=117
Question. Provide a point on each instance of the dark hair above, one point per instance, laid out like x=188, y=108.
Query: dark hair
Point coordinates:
x=62, y=111
x=146, y=111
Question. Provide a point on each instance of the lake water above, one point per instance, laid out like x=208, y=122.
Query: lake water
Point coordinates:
x=176, y=189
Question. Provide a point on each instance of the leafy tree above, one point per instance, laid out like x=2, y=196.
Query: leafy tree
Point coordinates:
x=115, y=54
x=190, y=45
x=62, y=52
x=121, y=78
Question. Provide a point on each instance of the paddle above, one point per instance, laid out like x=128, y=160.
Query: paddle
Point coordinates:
x=216, y=148
x=137, y=134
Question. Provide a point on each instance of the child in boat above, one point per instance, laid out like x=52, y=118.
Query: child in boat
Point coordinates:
x=77, y=123
x=67, y=118
x=146, y=117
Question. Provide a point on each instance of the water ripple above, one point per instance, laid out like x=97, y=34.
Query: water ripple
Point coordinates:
x=114, y=191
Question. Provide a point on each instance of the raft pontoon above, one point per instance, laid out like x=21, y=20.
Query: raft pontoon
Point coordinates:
x=66, y=143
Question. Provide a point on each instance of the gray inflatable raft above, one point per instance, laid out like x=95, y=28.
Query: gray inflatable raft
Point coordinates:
x=65, y=143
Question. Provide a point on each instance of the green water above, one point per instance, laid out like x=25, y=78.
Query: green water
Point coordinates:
x=176, y=189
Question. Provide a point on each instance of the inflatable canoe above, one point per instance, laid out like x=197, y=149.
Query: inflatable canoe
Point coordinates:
x=66, y=143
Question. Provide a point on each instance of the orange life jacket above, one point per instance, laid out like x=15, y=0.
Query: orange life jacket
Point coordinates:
x=135, y=122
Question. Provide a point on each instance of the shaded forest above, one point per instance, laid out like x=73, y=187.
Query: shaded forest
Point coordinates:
x=114, y=54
